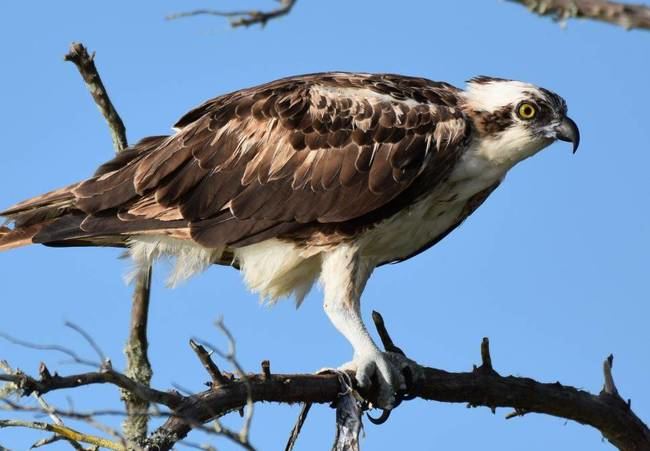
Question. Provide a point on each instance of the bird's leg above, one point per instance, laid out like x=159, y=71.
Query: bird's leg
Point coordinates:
x=343, y=277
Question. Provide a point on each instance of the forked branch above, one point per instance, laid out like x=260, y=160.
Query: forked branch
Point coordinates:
x=626, y=15
x=242, y=18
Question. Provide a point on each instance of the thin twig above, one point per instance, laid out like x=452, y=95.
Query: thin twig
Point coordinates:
x=384, y=336
x=300, y=421
x=53, y=439
x=89, y=340
x=62, y=349
x=242, y=18
x=231, y=356
x=626, y=15
x=516, y=413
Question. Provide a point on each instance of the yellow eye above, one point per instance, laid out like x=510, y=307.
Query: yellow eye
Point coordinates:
x=526, y=111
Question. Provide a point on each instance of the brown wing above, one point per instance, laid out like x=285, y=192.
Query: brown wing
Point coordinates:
x=271, y=160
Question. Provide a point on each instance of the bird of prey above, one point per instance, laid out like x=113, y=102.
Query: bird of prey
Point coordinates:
x=323, y=176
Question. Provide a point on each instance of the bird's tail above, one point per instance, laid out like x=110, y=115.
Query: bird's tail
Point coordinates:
x=13, y=238
x=55, y=219
x=29, y=217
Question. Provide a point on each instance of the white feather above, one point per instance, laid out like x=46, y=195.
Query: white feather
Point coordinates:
x=507, y=148
x=493, y=95
x=277, y=269
x=191, y=258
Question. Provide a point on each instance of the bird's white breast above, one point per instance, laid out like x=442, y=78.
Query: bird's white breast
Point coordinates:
x=419, y=224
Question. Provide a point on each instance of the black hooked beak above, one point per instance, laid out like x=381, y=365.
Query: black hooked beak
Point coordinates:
x=568, y=131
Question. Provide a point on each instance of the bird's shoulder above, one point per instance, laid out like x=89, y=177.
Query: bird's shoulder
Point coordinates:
x=331, y=91
x=319, y=148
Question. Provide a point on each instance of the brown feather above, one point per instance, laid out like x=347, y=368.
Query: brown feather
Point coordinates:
x=322, y=152
x=12, y=239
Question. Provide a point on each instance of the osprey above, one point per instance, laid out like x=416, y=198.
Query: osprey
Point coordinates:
x=316, y=176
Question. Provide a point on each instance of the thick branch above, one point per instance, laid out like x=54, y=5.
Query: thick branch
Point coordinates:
x=628, y=16
x=242, y=18
x=607, y=413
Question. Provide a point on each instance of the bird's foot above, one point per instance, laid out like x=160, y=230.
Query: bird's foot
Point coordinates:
x=386, y=376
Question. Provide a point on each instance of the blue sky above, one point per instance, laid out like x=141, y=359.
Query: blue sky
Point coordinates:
x=553, y=268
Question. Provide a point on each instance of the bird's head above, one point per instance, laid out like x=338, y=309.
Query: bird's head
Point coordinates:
x=515, y=120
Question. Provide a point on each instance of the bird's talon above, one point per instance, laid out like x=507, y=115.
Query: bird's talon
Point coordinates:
x=385, y=414
x=386, y=377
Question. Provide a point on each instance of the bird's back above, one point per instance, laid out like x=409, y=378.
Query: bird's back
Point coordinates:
x=328, y=153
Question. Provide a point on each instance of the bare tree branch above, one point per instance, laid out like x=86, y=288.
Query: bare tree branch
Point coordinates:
x=57, y=438
x=242, y=18
x=64, y=432
x=138, y=366
x=91, y=342
x=55, y=382
x=607, y=413
x=626, y=15
x=4, y=365
x=241, y=437
x=89, y=418
x=62, y=349
x=85, y=63
x=483, y=386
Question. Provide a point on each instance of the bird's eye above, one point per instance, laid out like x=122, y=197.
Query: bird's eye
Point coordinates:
x=526, y=111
